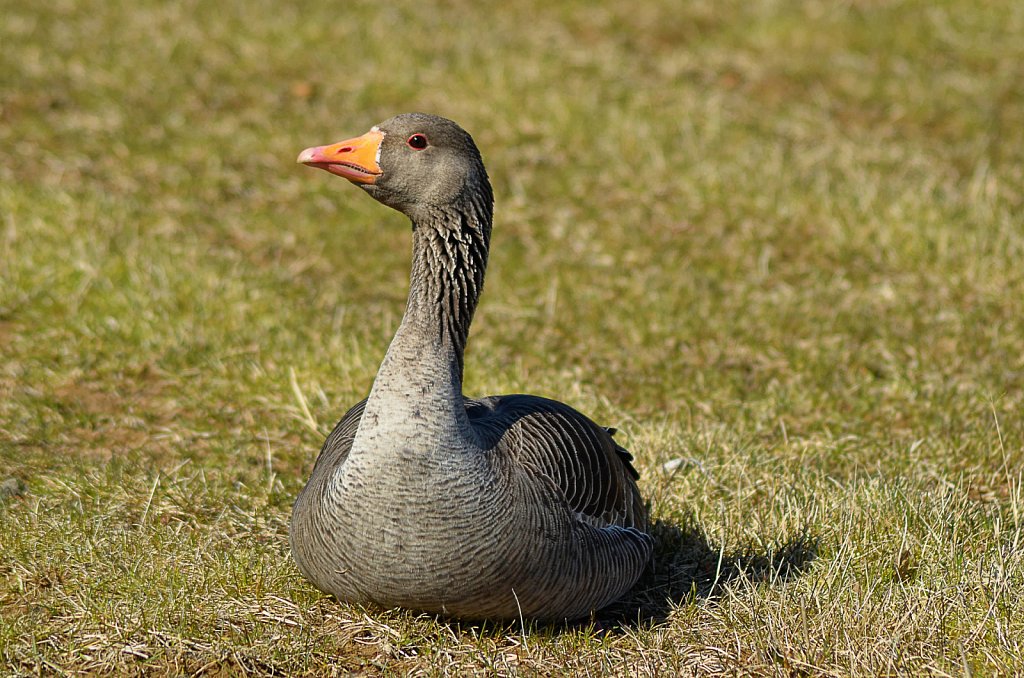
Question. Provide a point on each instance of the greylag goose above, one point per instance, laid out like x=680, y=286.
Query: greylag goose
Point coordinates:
x=505, y=507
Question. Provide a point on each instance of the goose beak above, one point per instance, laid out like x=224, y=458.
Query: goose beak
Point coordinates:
x=355, y=159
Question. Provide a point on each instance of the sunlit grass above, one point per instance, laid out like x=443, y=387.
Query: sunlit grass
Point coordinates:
x=777, y=245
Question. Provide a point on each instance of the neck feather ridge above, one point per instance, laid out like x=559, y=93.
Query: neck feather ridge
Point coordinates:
x=449, y=259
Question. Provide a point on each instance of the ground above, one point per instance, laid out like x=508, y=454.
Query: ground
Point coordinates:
x=778, y=245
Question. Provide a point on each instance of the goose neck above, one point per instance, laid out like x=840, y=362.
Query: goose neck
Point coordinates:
x=449, y=260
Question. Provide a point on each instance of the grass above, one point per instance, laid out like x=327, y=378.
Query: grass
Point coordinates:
x=777, y=245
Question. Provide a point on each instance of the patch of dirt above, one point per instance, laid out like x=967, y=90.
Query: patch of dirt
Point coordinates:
x=6, y=331
x=119, y=418
x=88, y=398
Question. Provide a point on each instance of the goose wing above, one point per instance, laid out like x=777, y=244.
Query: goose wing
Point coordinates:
x=337, y=446
x=594, y=473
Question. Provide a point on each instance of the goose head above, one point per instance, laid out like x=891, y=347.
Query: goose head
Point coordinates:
x=415, y=163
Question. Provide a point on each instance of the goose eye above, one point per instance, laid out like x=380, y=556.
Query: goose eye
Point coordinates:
x=417, y=142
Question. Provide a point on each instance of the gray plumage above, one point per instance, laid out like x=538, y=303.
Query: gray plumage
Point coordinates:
x=495, y=508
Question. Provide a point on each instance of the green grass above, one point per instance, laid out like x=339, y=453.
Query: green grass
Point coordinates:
x=777, y=244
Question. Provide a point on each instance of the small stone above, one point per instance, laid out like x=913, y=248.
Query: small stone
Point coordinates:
x=673, y=464
x=12, y=487
x=678, y=463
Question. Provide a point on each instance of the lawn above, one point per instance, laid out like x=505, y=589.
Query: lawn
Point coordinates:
x=778, y=245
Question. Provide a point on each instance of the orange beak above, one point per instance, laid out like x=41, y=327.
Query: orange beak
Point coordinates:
x=355, y=159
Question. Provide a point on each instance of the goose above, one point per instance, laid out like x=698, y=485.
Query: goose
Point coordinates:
x=498, y=508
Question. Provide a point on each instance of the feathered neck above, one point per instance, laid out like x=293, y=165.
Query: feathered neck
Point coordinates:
x=449, y=259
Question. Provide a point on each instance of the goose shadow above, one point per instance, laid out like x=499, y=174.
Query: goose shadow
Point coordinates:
x=686, y=567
